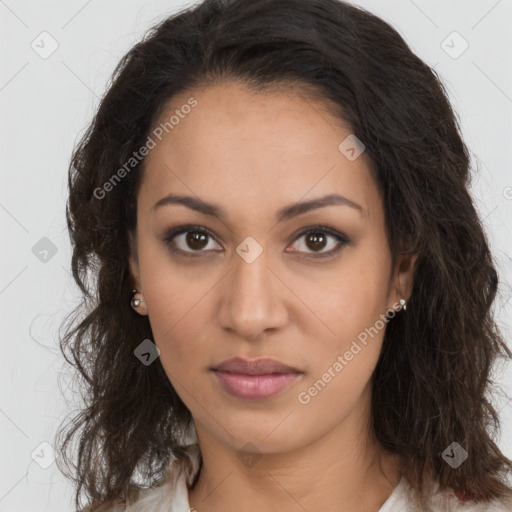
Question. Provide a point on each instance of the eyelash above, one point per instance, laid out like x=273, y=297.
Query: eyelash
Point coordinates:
x=341, y=239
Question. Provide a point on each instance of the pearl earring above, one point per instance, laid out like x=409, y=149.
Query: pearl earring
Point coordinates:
x=403, y=304
x=136, y=302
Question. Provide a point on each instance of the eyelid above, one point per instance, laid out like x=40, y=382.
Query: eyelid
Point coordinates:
x=341, y=238
x=186, y=228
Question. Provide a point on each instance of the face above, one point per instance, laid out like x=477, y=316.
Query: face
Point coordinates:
x=243, y=278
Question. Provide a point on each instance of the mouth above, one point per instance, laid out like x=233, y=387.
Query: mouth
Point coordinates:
x=261, y=366
x=255, y=380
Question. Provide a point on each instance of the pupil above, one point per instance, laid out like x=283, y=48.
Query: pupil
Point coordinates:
x=194, y=237
x=317, y=241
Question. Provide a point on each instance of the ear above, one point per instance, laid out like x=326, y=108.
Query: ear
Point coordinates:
x=133, y=262
x=402, y=278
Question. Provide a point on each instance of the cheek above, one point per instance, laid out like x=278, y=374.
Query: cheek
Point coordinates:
x=353, y=296
x=175, y=300
x=341, y=364
x=353, y=304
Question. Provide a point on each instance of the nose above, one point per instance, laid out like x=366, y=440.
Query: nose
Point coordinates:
x=252, y=299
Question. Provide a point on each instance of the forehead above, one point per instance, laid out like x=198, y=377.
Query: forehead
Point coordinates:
x=261, y=149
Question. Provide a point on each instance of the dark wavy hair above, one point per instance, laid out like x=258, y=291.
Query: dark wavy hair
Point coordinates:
x=431, y=383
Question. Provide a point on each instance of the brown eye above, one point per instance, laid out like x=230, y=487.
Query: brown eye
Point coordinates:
x=315, y=240
x=191, y=241
x=196, y=240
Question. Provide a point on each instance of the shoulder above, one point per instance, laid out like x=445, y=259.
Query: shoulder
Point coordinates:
x=170, y=493
x=451, y=501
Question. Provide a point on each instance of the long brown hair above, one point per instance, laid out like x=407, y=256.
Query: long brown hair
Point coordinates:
x=431, y=383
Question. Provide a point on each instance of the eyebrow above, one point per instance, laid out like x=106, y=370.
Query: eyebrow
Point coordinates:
x=283, y=214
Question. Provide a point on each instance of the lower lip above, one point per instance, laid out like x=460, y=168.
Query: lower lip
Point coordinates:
x=255, y=387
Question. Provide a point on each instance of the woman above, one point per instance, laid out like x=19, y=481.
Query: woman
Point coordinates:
x=293, y=285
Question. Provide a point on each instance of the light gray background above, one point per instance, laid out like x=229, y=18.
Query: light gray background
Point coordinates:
x=45, y=106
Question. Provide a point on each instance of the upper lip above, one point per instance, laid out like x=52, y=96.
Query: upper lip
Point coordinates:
x=261, y=366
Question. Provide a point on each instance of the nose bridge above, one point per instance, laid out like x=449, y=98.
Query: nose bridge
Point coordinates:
x=250, y=299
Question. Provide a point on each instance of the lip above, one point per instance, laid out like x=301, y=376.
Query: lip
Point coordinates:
x=255, y=380
x=261, y=366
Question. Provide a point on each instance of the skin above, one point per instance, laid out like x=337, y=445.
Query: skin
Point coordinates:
x=252, y=154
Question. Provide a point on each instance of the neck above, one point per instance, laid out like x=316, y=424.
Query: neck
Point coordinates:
x=341, y=470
